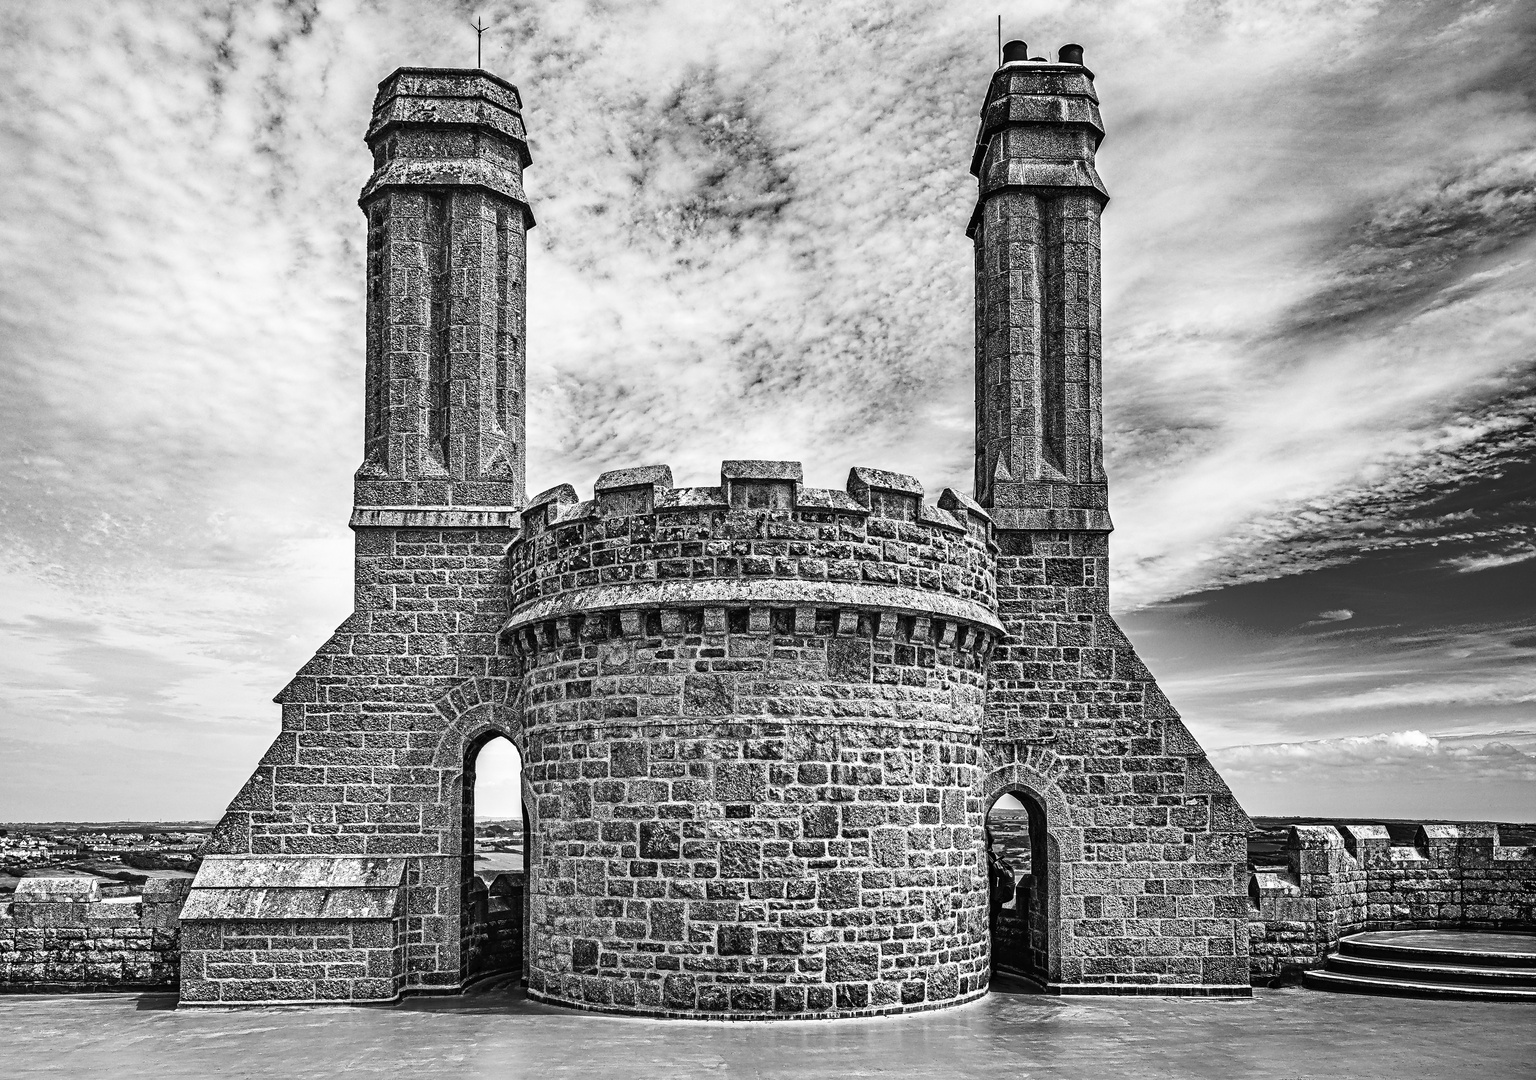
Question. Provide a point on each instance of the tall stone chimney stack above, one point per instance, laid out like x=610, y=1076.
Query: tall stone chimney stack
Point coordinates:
x=1039, y=455
x=447, y=224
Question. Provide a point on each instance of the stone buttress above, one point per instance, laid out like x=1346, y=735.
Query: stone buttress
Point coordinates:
x=336, y=872
x=1144, y=856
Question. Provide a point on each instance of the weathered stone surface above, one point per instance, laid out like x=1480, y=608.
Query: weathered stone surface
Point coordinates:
x=761, y=724
x=59, y=935
x=1347, y=879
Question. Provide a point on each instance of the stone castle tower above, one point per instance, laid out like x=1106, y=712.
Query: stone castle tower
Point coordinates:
x=761, y=724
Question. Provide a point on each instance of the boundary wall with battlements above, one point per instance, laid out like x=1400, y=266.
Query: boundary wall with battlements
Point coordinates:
x=59, y=935
x=1350, y=878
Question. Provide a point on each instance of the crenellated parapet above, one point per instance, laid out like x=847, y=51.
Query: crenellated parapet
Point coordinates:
x=876, y=555
x=1343, y=879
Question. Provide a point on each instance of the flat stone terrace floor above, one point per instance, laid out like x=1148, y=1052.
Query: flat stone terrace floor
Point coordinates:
x=1480, y=941
x=496, y=1032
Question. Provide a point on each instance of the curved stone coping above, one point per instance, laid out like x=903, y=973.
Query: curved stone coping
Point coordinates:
x=776, y=592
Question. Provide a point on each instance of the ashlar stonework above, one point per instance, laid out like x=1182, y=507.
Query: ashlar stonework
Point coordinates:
x=761, y=724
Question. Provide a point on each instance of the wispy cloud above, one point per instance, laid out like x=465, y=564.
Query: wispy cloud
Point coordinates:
x=1407, y=774
x=1471, y=564
x=1318, y=266
x=1410, y=755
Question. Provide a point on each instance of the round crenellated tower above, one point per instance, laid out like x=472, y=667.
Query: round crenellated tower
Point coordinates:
x=752, y=720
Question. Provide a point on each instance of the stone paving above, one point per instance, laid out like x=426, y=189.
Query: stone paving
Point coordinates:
x=1290, y=1034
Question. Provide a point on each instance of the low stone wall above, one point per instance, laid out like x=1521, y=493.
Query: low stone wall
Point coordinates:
x=493, y=941
x=1343, y=879
x=58, y=935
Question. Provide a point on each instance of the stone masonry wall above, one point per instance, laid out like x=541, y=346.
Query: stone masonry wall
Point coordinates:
x=1346, y=879
x=754, y=803
x=1148, y=865
x=695, y=534
x=58, y=935
x=358, y=767
x=267, y=961
x=765, y=823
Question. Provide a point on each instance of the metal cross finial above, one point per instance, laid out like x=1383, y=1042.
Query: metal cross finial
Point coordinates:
x=479, y=34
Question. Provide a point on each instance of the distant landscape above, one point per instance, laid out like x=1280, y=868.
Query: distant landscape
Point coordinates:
x=498, y=846
x=123, y=855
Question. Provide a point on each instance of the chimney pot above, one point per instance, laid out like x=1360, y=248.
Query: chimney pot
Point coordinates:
x=1070, y=54
x=1015, y=50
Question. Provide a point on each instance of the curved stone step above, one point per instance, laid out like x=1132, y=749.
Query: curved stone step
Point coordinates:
x=1491, y=950
x=1445, y=971
x=1356, y=984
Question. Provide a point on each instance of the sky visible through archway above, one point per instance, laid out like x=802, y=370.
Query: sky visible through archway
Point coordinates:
x=498, y=773
x=1319, y=386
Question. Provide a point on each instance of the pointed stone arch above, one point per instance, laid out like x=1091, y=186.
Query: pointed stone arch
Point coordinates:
x=1033, y=776
x=477, y=709
x=474, y=713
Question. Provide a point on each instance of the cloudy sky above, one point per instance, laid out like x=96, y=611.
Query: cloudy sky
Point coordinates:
x=1320, y=359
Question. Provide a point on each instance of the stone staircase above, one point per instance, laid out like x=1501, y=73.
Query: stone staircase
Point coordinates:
x=1463, y=964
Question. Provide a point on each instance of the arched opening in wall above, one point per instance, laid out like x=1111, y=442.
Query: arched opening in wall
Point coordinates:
x=493, y=903
x=1018, y=898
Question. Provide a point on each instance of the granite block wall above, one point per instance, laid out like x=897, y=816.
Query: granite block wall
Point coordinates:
x=1147, y=855
x=764, y=803
x=58, y=935
x=270, y=961
x=493, y=940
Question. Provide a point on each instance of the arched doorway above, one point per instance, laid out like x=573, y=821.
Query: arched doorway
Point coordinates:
x=493, y=903
x=1019, y=897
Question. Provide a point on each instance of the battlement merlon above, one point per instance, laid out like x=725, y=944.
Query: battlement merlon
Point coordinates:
x=760, y=540
x=1039, y=427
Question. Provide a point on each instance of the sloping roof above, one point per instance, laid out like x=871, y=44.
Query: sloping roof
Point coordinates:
x=295, y=887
